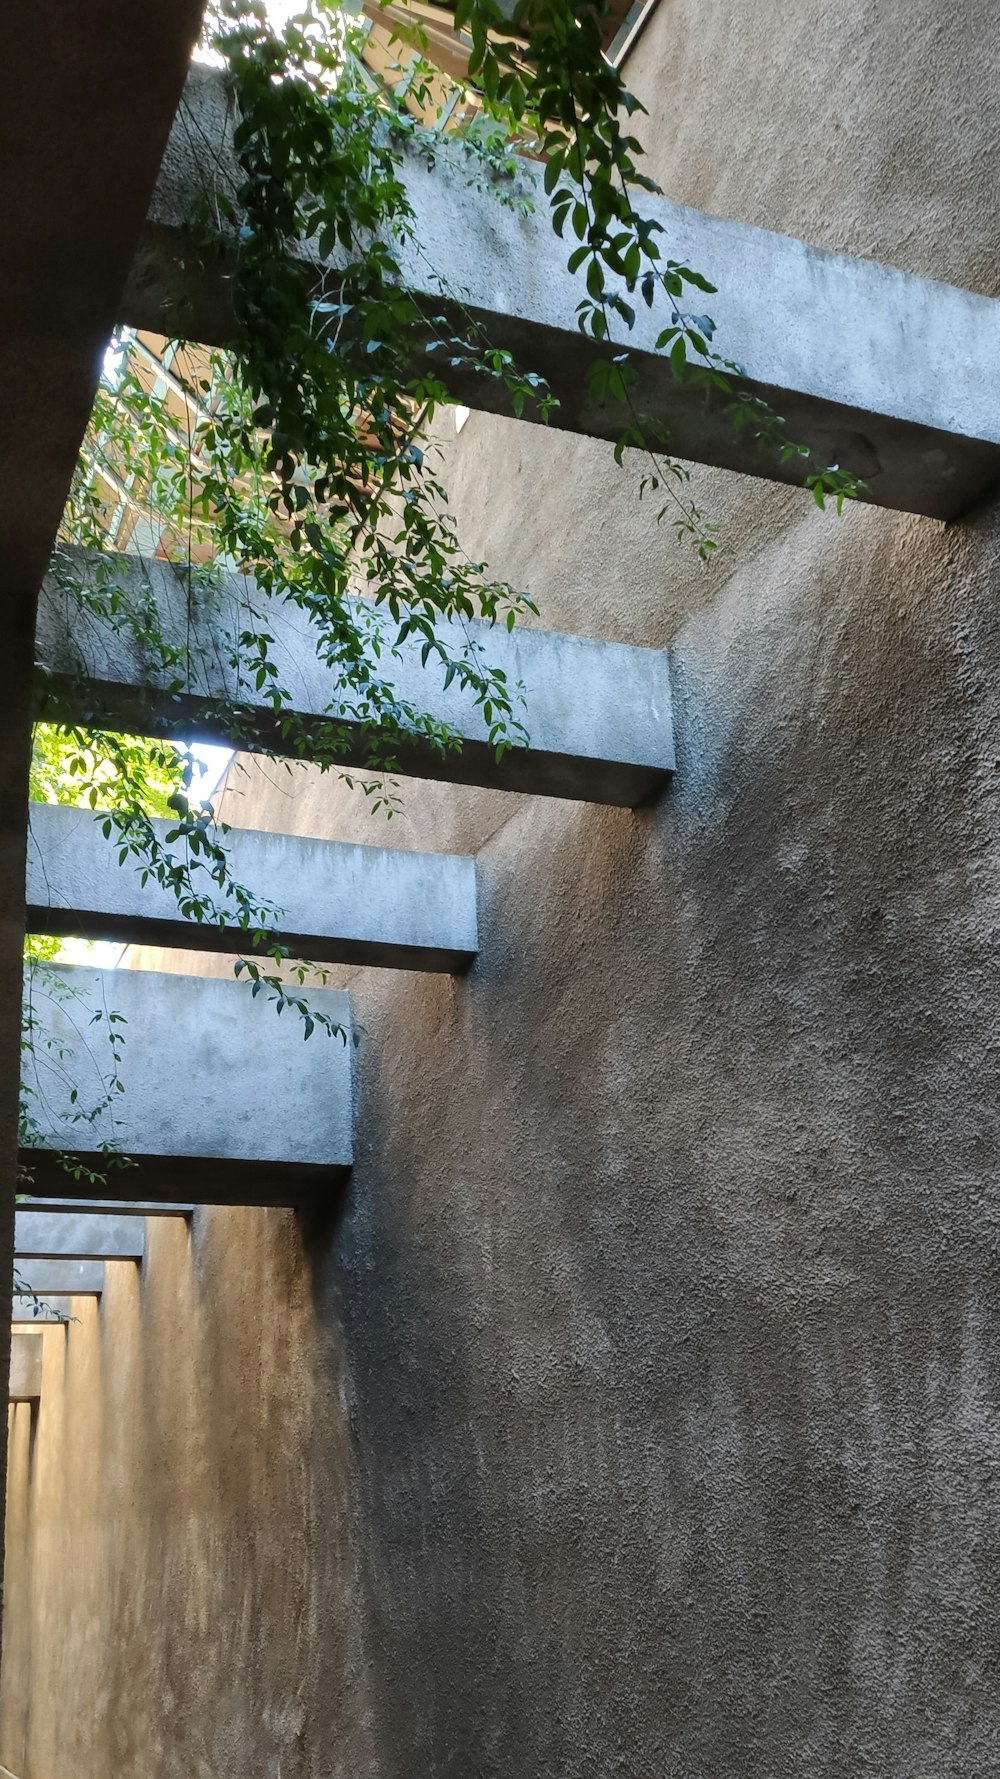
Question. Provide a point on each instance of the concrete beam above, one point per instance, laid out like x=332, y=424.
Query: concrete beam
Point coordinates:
x=115, y=1207
x=51, y=1310
x=62, y=1278
x=598, y=714
x=340, y=904
x=25, y=1368
x=222, y=1098
x=828, y=340
x=57, y=1235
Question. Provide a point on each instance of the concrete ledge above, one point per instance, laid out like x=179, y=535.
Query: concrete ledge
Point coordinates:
x=62, y=1278
x=117, y=1207
x=827, y=339
x=222, y=1097
x=340, y=904
x=57, y=1310
x=56, y=1235
x=25, y=1370
x=598, y=714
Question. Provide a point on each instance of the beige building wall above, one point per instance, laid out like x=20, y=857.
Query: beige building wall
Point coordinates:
x=637, y=1410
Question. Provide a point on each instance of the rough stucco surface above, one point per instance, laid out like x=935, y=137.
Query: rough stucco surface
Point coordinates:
x=637, y=1411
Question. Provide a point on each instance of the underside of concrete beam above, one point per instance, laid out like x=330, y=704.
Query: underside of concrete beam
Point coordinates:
x=25, y=1368
x=222, y=1098
x=597, y=714
x=60, y=1278
x=267, y=1185
x=115, y=1207
x=829, y=341
x=56, y=1235
x=332, y=903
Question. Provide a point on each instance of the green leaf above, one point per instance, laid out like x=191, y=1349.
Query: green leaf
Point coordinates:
x=595, y=280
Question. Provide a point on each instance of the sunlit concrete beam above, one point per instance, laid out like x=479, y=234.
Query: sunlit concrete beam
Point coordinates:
x=332, y=903
x=60, y=1278
x=25, y=1368
x=222, y=1099
x=597, y=714
x=893, y=377
x=60, y=1235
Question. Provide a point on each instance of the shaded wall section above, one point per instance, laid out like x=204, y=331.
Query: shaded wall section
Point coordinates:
x=636, y=1410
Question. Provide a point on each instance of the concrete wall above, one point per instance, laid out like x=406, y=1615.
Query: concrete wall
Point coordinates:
x=639, y=1411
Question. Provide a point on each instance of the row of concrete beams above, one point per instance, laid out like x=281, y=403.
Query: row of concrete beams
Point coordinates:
x=828, y=340
x=333, y=903
x=597, y=714
x=62, y=1254
x=192, y=1114
x=65, y=1234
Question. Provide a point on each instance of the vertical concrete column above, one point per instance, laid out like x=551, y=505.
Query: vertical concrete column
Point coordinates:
x=18, y=608
x=87, y=96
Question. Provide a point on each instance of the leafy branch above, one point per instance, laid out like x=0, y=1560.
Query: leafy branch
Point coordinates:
x=540, y=65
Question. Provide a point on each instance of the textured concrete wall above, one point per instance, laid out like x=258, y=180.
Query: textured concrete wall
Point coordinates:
x=639, y=1413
